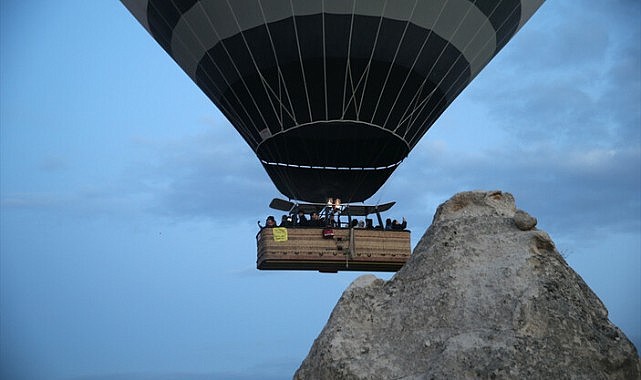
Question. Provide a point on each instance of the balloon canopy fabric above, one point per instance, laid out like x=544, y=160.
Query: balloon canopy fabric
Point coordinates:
x=332, y=94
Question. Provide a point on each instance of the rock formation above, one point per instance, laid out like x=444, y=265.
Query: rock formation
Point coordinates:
x=484, y=295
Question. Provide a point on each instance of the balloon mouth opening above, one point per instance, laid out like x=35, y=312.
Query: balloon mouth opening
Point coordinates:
x=343, y=159
x=329, y=167
x=334, y=144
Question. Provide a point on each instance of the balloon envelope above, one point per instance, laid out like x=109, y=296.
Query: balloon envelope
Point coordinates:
x=332, y=94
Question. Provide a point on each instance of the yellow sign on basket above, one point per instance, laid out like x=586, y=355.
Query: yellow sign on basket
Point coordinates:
x=280, y=233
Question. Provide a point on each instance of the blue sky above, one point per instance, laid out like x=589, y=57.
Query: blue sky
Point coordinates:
x=129, y=204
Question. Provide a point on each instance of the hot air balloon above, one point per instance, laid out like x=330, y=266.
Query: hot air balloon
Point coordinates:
x=332, y=95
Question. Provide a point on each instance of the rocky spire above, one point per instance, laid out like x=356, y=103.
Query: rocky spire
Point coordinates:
x=484, y=295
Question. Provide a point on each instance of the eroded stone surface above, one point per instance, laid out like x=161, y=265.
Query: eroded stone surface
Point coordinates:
x=524, y=221
x=480, y=297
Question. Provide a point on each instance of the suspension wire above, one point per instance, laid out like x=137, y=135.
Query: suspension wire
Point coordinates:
x=349, y=77
x=361, y=175
x=371, y=57
x=389, y=71
x=300, y=57
x=424, y=102
x=353, y=97
x=281, y=78
x=413, y=117
x=348, y=62
x=264, y=82
x=324, y=56
x=222, y=44
x=365, y=73
x=216, y=89
x=416, y=112
x=321, y=154
x=327, y=150
x=407, y=77
x=398, y=48
x=286, y=178
x=229, y=111
x=283, y=174
x=420, y=105
x=383, y=189
x=241, y=103
x=404, y=117
x=468, y=65
x=487, y=41
x=273, y=152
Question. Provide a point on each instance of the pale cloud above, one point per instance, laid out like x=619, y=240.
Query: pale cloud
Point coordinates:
x=576, y=191
x=206, y=175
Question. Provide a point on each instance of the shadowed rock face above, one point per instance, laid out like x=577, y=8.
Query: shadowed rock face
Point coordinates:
x=485, y=294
